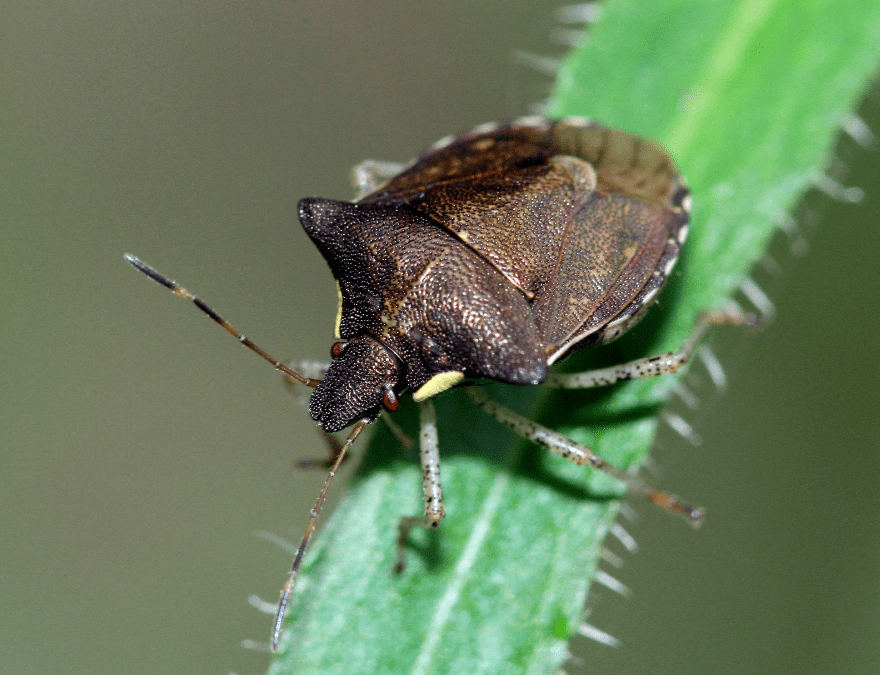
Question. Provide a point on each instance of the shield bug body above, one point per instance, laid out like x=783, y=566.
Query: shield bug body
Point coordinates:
x=492, y=256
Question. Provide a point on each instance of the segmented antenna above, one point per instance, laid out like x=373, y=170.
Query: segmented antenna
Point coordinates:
x=177, y=289
x=287, y=591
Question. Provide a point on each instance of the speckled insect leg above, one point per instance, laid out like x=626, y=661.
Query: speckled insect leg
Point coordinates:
x=371, y=173
x=650, y=366
x=429, y=454
x=582, y=455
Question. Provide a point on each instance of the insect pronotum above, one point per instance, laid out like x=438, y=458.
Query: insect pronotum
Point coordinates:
x=493, y=255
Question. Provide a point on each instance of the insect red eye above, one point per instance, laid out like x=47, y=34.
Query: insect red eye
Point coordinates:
x=337, y=349
x=390, y=401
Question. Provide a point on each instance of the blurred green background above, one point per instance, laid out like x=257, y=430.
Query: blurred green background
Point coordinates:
x=141, y=448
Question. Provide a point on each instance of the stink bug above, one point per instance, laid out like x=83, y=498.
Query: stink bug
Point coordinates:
x=492, y=256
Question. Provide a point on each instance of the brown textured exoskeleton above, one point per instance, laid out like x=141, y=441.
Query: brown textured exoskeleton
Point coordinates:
x=495, y=254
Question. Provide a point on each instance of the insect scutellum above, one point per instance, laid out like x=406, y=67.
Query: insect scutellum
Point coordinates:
x=495, y=254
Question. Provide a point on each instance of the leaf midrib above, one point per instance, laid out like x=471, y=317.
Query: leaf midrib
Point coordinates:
x=729, y=48
x=461, y=571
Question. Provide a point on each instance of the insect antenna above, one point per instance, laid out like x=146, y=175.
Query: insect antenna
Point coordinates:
x=338, y=458
x=287, y=591
x=183, y=293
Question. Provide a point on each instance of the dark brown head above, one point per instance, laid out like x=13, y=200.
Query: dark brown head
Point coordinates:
x=365, y=375
x=360, y=383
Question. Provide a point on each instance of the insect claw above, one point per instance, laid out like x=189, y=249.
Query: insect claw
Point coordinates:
x=695, y=515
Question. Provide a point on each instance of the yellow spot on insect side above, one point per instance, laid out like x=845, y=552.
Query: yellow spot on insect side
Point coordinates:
x=629, y=252
x=440, y=382
x=338, y=313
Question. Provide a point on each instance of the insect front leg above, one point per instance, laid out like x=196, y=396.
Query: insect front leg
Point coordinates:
x=581, y=455
x=650, y=366
x=429, y=454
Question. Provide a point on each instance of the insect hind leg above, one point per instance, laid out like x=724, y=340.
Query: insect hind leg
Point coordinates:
x=582, y=455
x=429, y=455
x=651, y=366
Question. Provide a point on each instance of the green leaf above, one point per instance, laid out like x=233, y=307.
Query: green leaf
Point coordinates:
x=749, y=97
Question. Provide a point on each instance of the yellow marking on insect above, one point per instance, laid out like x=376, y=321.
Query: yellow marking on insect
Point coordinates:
x=338, y=324
x=440, y=382
x=629, y=252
